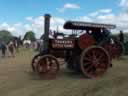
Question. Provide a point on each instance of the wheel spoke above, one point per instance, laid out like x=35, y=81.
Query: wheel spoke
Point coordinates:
x=86, y=65
x=98, y=53
x=89, y=68
x=92, y=71
x=93, y=54
x=101, y=56
x=89, y=55
x=87, y=59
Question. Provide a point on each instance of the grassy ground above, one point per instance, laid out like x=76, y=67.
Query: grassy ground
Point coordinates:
x=17, y=79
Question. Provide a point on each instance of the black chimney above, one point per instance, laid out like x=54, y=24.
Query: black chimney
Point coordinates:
x=46, y=31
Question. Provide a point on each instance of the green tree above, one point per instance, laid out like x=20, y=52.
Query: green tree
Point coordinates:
x=5, y=36
x=30, y=35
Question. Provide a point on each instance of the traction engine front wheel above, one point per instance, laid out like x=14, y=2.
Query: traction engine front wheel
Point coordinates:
x=47, y=66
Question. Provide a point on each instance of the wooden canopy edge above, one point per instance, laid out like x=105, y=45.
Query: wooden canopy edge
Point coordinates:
x=76, y=25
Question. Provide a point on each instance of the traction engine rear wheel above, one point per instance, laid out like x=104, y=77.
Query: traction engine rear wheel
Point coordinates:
x=48, y=66
x=94, y=61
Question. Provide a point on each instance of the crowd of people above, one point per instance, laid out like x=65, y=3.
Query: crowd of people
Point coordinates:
x=8, y=48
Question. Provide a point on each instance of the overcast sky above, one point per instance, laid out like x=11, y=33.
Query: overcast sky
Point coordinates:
x=19, y=16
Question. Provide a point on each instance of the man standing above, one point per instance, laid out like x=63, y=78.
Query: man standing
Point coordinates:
x=3, y=49
x=11, y=48
x=121, y=37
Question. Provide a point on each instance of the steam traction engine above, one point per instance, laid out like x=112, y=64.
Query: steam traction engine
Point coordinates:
x=89, y=52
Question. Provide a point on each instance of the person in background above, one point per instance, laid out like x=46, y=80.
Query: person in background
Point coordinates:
x=16, y=46
x=3, y=49
x=121, y=37
x=11, y=48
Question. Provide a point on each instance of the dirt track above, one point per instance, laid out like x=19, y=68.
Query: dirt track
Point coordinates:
x=17, y=79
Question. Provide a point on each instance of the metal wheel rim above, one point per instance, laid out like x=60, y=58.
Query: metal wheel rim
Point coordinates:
x=97, y=66
x=47, y=67
x=34, y=61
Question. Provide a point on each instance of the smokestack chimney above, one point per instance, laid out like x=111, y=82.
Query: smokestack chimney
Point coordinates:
x=46, y=31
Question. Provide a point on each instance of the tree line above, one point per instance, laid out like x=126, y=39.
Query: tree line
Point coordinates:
x=6, y=36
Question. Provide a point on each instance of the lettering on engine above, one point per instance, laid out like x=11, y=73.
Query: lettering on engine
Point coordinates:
x=63, y=43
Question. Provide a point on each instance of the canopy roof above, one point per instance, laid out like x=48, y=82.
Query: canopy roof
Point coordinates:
x=76, y=25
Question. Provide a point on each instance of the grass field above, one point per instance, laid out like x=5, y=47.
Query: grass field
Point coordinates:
x=17, y=79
